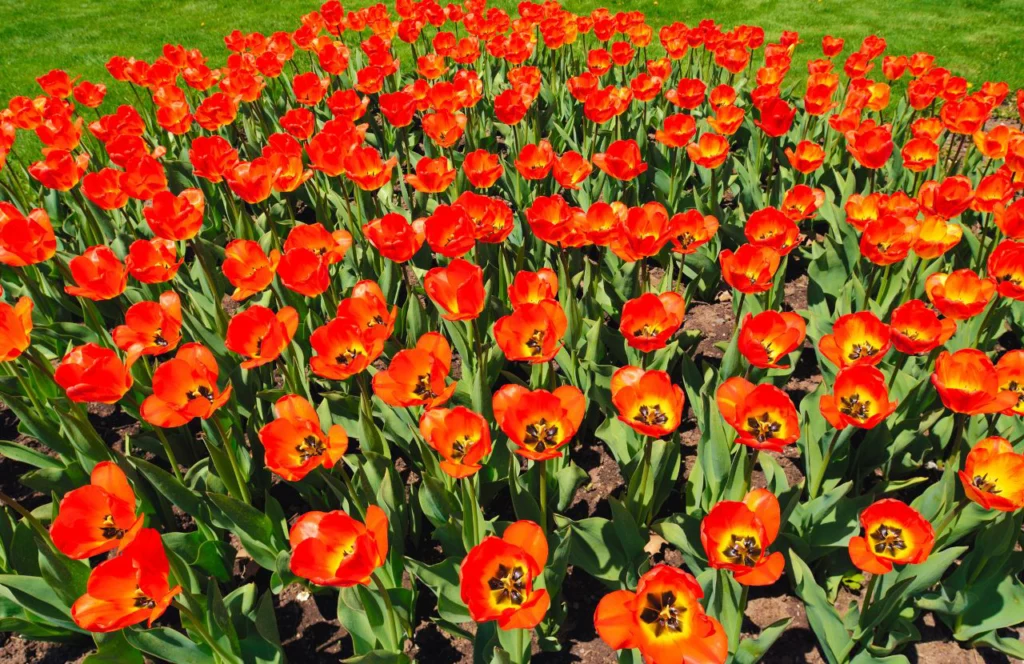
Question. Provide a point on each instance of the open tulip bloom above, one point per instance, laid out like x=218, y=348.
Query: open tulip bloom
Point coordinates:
x=488, y=305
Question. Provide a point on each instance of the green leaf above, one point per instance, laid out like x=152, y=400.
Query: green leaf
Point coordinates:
x=166, y=644
x=825, y=621
x=253, y=528
x=752, y=650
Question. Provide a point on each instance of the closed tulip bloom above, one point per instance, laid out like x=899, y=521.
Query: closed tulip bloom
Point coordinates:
x=294, y=442
x=570, y=169
x=91, y=373
x=367, y=307
x=917, y=330
x=677, y=130
x=935, y=237
x=771, y=228
x=394, y=237
x=535, y=160
x=153, y=261
x=539, y=422
x=25, y=240
x=98, y=274
x=98, y=517
x=458, y=289
x=727, y=120
x=309, y=88
x=59, y=170
x=1010, y=369
x=870, y=144
x=751, y=269
x=688, y=94
x=647, y=401
x=768, y=337
x=417, y=376
x=482, y=168
x=129, y=589
x=649, y=321
x=460, y=436
x=961, y=294
x=343, y=349
x=532, y=332
x=736, y=536
x=993, y=475
x=150, y=328
x=695, y=230
x=175, y=217
x=333, y=549
x=365, y=167
x=968, y=382
x=762, y=415
x=859, y=338
x=445, y=128
x=664, y=619
x=554, y=221
x=450, y=231
x=807, y=157
x=776, y=118
x=859, y=398
x=248, y=268
x=621, y=161
x=1006, y=266
x=260, y=334
x=432, y=175
x=496, y=578
x=894, y=534
x=1010, y=221
x=710, y=151
x=889, y=239
x=919, y=154
x=185, y=388
x=645, y=231
x=103, y=189
x=15, y=327
x=212, y=158
x=533, y=287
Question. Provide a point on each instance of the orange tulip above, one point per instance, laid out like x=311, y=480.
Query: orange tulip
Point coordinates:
x=458, y=289
x=497, y=576
x=151, y=328
x=394, y=237
x=676, y=131
x=993, y=475
x=533, y=287
x=1006, y=266
x=920, y=154
x=175, y=217
x=858, y=338
x=695, y=230
x=92, y=373
x=916, y=329
x=343, y=349
x=98, y=517
x=185, y=388
x=570, y=169
x=153, y=261
x=960, y=294
x=482, y=168
x=15, y=326
x=450, y=231
x=737, y=534
x=807, y=157
x=445, y=128
x=936, y=236
x=802, y=202
x=968, y=382
x=416, y=377
x=771, y=228
x=768, y=337
x=248, y=268
x=432, y=175
x=896, y=534
x=763, y=416
x=98, y=274
x=710, y=150
x=1010, y=369
x=645, y=231
x=751, y=269
x=532, y=332
x=460, y=436
x=364, y=166
x=870, y=144
x=647, y=401
x=621, y=161
x=664, y=619
x=333, y=549
x=889, y=239
x=294, y=442
x=367, y=307
x=127, y=590
x=859, y=398
x=648, y=321
x=25, y=240
x=535, y=160
x=260, y=334
x=539, y=423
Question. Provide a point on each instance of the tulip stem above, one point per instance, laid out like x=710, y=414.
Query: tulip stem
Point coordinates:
x=29, y=518
x=198, y=626
x=869, y=594
x=169, y=452
x=229, y=449
x=896, y=369
x=543, y=496
x=820, y=477
x=950, y=517
x=953, y=461
x=392, y=620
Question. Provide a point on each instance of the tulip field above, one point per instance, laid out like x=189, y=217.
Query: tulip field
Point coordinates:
x=469, y=333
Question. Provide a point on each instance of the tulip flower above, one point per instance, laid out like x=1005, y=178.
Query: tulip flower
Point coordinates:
x=771, y=228
x=677, y=131
x=535, y=161
x=647, y=401
x=153, y=261
x=92, y=373
x=449, y=231
x=807, y=157
x=960, y=294
x=294, y=442
x=695, y=230
x=737, y=534
x=482, y=168
x=968, y=382
x=1010, y=369
x=394, y=237
x=343, y=349
x=710, y=151
x=98, y=274
x=894, y=534
x=175, y=217
x=127, y=590
x=993, y=475
x=889, y=239
x=648, y=321
x=458, y=289
x=621, y=161
x=367, y=170
x=859, y=398
x=185, y=388
x=915, y=329
x=333, y=549
x=751, y=269
x=570, y=169
x=856, y=339
x=663, y=619
x=25, y=240
x=532, y=332
x=98, y=517
x=870, y=144
x=497, y=576
x=763, y=416
x=416, y=376
x=645, y=231
x=432, y=175
x=533, y=287
x=935, y=237
x=539, y=423
x=15, y=327
x=150, y=328
x=768, y=337
x=103, y=189
x=248, y=268
x=260, y=334
x=460, y=436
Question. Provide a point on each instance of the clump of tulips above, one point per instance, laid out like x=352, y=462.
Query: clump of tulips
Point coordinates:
x=369, y=292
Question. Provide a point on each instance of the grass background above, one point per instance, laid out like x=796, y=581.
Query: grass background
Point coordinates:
x=979, y=39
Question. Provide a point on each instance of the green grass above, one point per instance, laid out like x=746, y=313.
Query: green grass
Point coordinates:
x=979, y=39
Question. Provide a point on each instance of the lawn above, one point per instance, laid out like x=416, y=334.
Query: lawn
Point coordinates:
x=981, y=40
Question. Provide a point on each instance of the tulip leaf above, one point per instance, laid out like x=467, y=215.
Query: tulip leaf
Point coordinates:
x=166, y=644
x=825, y=621
x=751, y=650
